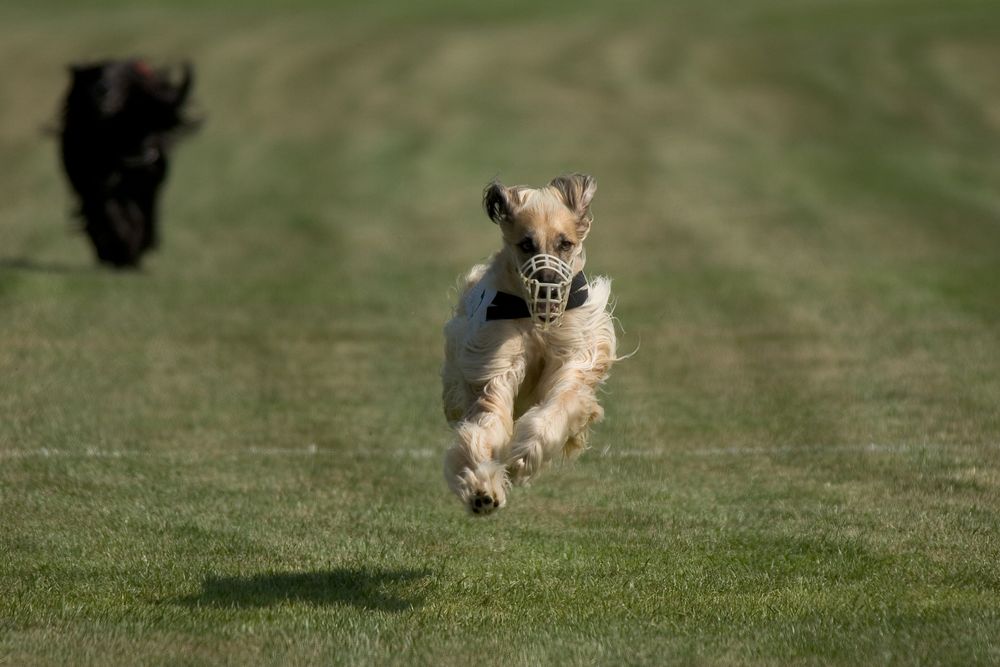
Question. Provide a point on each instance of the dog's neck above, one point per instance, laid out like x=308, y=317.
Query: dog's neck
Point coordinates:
x=507, y=306
x=506, y=275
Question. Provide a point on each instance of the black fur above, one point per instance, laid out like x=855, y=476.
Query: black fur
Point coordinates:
x=119, y=119
x=496, y=202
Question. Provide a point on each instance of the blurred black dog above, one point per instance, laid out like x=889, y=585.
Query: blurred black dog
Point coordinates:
x=120, y=119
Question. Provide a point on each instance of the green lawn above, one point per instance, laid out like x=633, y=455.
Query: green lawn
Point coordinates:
x=234, y=455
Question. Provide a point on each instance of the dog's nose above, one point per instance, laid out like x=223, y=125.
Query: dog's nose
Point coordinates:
x=487, y=500
x=547, y=276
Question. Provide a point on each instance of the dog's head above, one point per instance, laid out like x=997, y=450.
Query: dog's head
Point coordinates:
x=543, y=232
x=130, y=94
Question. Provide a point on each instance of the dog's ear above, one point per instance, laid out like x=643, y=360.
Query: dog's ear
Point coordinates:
x=81, y=71
x=497, y=202
x=577, y=191
x=184, y=87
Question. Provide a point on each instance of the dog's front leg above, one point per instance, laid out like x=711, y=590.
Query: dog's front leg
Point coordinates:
x=474, y=464
x=558, y=425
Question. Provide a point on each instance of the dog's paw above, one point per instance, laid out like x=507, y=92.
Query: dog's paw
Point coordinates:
x=515, y=471
x=525, y=461
x=483, y=503
x=483, y=490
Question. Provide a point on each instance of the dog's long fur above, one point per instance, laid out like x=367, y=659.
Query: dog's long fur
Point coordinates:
x=515, y=396
x=119, y=119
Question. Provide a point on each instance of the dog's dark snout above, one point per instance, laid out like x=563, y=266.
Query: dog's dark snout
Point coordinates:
x=547, y=276
x=487, y=500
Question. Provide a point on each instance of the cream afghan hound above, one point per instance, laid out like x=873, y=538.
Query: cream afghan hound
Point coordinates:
x=530, y=341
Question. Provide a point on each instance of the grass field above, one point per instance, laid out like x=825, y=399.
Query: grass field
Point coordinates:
x=233, y=456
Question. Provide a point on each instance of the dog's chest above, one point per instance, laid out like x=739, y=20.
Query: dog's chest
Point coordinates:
x=527, y=392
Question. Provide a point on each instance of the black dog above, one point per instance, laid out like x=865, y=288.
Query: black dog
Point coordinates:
x=119, y=121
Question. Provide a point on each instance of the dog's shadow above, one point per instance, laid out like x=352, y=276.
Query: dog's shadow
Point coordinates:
x=26, y=264
x=379, y=590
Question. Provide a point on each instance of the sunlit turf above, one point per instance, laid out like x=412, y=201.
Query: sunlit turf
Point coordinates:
x=233, y=455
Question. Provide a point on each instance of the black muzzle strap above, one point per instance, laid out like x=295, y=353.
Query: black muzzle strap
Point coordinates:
x=512, y=307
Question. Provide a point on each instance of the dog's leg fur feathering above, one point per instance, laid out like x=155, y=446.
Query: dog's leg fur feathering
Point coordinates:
x=481, y=381
x=578, y=360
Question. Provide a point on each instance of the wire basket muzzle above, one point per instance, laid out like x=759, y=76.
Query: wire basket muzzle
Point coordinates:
x=547, y=281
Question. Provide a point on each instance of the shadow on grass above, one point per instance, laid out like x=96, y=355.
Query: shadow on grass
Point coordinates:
x=383, y=590
x=26, y=264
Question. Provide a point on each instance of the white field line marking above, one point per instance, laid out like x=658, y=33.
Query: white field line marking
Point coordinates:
x=736, y=451
x=86, y=453
x=428, y=453
x=250, y=452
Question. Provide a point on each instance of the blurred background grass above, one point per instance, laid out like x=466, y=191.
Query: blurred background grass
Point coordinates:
x=234, y=453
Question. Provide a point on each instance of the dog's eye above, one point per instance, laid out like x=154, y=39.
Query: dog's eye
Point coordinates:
x=565, y=245
x=527, y=245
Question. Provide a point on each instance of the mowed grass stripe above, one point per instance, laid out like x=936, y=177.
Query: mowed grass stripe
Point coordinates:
x=234, y=455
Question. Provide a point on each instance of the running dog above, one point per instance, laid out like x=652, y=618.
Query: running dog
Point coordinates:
x=530, y=342
x=119, y=120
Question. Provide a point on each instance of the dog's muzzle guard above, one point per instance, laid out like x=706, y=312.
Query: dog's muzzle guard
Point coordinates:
x=546, y=299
